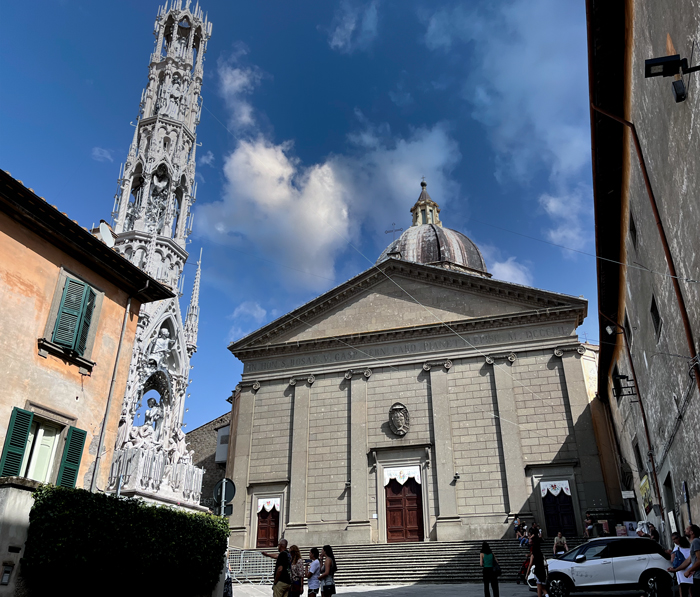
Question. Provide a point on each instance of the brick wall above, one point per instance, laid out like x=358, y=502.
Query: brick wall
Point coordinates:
x=203, y=441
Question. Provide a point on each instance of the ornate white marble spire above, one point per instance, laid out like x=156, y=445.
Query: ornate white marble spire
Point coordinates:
x=192, y=319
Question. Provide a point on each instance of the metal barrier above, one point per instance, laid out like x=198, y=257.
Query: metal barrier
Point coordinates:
x=250, y=566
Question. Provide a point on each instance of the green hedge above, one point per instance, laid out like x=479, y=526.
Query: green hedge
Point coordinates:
x=86, y=543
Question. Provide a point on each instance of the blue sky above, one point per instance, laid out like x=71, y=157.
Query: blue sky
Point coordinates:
x=319, y=120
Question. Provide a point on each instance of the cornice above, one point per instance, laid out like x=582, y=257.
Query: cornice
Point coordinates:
x=495, y=289
x=464, y=326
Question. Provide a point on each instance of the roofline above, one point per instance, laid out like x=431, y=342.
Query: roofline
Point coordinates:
x=34, y=213
x=395, y=264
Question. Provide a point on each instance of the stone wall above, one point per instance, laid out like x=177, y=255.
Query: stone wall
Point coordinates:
x=203, y=440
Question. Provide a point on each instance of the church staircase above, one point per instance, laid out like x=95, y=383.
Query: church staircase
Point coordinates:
x=428, y=562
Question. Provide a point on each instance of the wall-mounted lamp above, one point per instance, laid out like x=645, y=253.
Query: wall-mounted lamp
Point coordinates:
x=348, y=484
x=670, y=66
x=456, y=477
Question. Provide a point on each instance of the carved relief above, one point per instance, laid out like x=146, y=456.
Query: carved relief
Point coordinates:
x=398, y=419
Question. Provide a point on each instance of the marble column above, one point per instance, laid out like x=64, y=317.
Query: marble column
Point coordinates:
x=296, y=527
x=448, y=525
x=237, y=470
x=518, y=493
x=359, y=525
x=584, y=434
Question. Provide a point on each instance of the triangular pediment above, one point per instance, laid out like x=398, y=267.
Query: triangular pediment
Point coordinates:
x=397, y=295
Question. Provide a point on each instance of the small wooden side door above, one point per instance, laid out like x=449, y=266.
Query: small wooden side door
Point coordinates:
x=268, y=525
x=404, y=512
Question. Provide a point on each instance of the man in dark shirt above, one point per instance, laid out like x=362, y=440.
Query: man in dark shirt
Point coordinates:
x=283, y=577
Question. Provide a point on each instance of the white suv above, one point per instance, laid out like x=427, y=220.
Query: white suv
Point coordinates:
x=611, y=563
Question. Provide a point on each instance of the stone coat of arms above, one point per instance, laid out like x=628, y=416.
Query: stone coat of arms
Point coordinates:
x=398, y=419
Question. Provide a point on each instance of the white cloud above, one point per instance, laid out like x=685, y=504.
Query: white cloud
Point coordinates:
x=354, y=26
x=236, y=82
x=99, y=154
x=247, y=316
x=511, y=271
x=207, y=159
x=571, y=213
x=527, y=84
x=401, y=97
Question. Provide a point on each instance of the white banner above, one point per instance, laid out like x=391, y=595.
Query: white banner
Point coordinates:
x=269, y=504
x=555, y=487
x=401, y=474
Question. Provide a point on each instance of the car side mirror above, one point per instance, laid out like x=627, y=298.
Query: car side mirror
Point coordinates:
x=580, y=559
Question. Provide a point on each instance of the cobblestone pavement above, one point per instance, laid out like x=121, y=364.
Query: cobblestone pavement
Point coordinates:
x=463, y=590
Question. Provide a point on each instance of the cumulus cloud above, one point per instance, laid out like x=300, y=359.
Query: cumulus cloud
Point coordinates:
x=527, y=83
x=247, y=316
x=99, y=154
x=207, y=159
x=571, y=214
x=236, y=82
x=354, y=26
x=512, y=271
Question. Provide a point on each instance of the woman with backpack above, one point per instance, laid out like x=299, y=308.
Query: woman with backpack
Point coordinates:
x=491, y=569
x=329, y=569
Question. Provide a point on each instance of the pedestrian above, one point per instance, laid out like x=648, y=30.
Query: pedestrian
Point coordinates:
x=693, y=571
x=297, y=572
x=314, y=571
x=329, y=569
x=521, y=534
x=560, y=545
x=516, y=523
x=537, y=565
x=588, y=523
x=490, y=569
x=283, y=574
x=681, y=555
x=654, y=534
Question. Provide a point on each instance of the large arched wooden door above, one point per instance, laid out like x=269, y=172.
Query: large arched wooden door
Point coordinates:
x=268, y=525
x=559, y=514
x=404, y=511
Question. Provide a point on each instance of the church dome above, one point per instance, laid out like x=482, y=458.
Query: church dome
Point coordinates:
x=427, y=242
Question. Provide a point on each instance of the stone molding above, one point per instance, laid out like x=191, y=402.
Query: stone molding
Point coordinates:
x=491, y=358
x=446, y=363
x=310, y=379
x=560, y=350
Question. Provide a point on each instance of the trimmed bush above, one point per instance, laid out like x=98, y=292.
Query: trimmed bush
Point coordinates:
x=81, y=542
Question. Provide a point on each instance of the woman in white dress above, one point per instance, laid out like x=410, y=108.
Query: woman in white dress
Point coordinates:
x=681, y=552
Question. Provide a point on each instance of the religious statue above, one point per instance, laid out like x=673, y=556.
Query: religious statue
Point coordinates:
x=123, y=430
x=172, y=108
x=161, y=348
x=140, y=437
x=398, y=419
x=154, y=418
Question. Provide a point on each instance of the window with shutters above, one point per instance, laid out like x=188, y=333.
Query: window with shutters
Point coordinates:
x=70, y=330
x=32, y=448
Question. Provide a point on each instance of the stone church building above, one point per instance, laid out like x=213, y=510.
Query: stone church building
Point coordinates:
x=421, y=400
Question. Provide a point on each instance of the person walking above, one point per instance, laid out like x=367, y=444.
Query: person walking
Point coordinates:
x=314, y=571
x=537, y=565
x=297, y=572
x=588, y=524
x=693, y=571
x=681, y=555
x=560, y=545
x=329, y=569
x=490, y=567
x=283, y=575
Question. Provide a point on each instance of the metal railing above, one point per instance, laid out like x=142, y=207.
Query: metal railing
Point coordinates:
x=250, y=566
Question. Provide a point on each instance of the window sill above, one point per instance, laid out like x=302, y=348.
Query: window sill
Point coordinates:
x=47, y=347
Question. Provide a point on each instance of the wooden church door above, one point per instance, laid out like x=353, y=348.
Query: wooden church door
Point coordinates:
x=404, y=511
x=268, y=524
x=559, y=514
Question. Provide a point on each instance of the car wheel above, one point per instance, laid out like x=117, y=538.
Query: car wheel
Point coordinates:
x=656, y=585
x=559, y=587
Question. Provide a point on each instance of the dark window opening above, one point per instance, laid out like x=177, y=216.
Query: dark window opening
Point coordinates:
x=656, y=317
x=628, y=330
x=617, y=386
x=633, y=231
x=641, y=469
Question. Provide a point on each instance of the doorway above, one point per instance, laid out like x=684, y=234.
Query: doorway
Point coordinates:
x=404, y=511
x=268, y=526
x=559, y=514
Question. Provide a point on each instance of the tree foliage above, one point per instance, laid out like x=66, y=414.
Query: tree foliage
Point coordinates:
x=99, y=544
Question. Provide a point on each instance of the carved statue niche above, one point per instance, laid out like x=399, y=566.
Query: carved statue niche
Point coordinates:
x=158, y=201
x=398, y=419
x=161, y=348
x=154, y=418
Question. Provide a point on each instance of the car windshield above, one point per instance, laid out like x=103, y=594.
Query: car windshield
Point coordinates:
x=570, y=556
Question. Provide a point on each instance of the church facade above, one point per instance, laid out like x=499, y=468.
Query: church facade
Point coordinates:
x=419, y=401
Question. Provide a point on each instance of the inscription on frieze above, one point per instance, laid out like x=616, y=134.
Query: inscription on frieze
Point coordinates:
x=386, y=351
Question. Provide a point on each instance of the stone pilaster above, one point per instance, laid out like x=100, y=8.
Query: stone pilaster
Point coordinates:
x=518, y=493
x=586, y=445
x=238, y=473
x=296, y=527
x=449, y=524
x=359, y=525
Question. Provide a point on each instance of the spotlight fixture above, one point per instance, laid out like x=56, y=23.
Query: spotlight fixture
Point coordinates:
x=670, y=66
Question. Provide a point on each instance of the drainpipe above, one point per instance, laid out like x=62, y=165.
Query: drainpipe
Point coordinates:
x=93, y=483
x=664, y=242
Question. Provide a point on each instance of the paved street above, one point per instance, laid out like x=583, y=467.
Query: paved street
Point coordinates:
x=463, y=590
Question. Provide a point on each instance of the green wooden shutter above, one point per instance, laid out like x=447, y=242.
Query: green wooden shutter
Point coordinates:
x=70, y=313
x=89, y=306
x=15, y=442
x=72, y=454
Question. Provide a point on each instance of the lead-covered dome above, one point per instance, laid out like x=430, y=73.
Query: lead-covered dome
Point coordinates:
x=427, y=242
